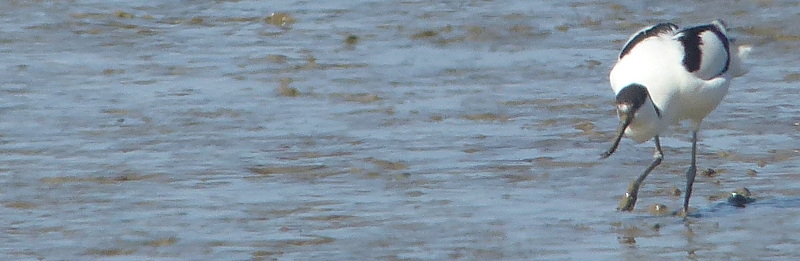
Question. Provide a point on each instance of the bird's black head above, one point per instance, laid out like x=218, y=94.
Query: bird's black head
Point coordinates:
x=631, y=98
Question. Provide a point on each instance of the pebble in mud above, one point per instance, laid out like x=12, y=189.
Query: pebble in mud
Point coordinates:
x=659, y=210
x=656, y=226
x=424, y=34
x=280, y=19
x=708, y=173
x=351, y=40
x=675, y=191
x=742, y=191
x=740, y=197
x=285, y=90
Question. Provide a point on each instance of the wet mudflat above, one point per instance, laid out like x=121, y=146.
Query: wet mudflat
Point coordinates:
x=375, y=130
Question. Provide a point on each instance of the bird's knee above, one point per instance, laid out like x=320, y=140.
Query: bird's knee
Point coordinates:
x=658, y=156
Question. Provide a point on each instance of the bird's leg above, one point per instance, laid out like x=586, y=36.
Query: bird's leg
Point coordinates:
x=629, y=199
x=690, y=174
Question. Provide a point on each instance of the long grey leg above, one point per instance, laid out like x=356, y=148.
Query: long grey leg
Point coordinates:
x=690, y=174
x=629, y=199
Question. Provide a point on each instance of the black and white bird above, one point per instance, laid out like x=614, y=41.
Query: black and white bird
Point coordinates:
x=664, y=75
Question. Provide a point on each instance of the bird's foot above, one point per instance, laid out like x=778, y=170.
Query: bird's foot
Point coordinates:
x=605, y=154
x=628, y=202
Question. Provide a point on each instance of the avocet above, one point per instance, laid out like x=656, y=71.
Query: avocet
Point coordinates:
x=665, y=74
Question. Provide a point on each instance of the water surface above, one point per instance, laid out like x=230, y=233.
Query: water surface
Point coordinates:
x=375, y=130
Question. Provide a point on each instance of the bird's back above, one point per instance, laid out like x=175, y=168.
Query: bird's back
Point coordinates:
x=692, y=63
x=652, y=58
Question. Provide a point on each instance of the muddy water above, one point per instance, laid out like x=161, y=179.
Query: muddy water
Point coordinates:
x=364, y=130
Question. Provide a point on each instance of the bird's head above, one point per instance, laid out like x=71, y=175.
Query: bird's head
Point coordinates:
x=629, y=101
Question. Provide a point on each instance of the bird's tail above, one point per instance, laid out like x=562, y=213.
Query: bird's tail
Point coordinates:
x=737, y=68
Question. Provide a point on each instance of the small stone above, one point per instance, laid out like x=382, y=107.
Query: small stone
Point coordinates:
x=285, y=90
x=424, y=34
x=742, y=191
x=351, y=39
x=740, y=197
x=657, y=226
x=752, y=172
x=674, y=191
x=586, y=127
x=280, y=19
x=123, y=14
x=708, y=173
x=761, y=163
x=659, y=210
x=196, y=20
x=627, y=240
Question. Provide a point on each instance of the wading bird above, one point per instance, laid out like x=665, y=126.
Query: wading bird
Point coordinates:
x=665, y=74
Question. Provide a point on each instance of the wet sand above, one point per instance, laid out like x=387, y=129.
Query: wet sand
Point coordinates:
x=374, y=130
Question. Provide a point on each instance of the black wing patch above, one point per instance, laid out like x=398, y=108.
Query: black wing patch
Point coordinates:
x=647, y=33
x=691, y=40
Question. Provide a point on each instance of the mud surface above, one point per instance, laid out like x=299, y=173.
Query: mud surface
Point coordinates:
x=376, y=130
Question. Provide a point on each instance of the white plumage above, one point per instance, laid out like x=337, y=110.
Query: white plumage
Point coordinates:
x=665, y=75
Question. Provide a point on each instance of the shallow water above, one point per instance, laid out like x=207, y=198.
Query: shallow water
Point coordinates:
x=457, y=130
